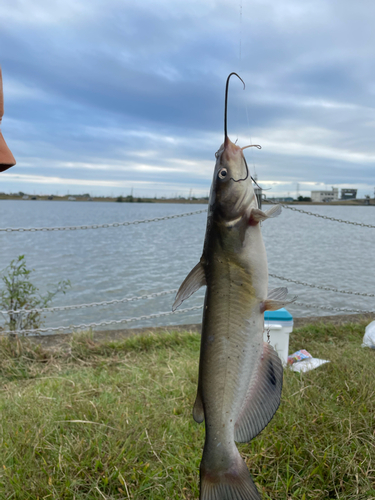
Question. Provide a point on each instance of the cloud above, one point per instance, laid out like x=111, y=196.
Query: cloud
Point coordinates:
x=134, y=93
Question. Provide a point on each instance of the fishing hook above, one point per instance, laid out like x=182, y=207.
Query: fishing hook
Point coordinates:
x=226, y=129
x=226, y=104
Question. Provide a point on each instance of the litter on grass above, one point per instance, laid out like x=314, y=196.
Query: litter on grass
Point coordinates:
x=298, y=356
x=302, y=361
x=308, y=364
x=369, y=337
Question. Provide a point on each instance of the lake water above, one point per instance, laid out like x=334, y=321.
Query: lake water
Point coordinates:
x=113, y=263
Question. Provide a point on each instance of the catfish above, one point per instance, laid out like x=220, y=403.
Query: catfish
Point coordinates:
x=240, y=375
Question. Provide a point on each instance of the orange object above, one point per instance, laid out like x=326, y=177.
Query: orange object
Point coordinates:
x=6, y=158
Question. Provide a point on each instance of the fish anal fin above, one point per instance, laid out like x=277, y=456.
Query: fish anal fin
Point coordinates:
x=257, y=215
x=198, y=411
x=262, y=398
x=276, y=300
x=193, y=281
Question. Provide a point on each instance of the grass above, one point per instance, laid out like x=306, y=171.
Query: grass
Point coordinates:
x=113, y=421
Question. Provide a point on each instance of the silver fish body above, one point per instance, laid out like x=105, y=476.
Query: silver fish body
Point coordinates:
x=240, y=376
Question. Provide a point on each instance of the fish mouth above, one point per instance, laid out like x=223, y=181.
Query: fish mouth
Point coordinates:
x=231, y=152
x=247, y=174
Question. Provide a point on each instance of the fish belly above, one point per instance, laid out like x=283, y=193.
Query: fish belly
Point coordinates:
x=232, y=343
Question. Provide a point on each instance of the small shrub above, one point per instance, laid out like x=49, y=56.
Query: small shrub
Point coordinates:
x=20, y=297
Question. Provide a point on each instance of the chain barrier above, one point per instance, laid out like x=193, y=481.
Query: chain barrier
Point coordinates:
x=101, y=226
x=169, y=313
x=168, y=217
x=327, y=288
x=167, y=292
x=329, y=308
x=361, y=224
x=103, y=323
x=92, y=304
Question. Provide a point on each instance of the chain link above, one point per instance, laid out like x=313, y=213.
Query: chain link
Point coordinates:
x=100, y=226
x=169, y=313
x=327, y=288
x=167, y=292
x=361, y=224
x=103, y=323
x=92, y=304
x=329, y=308
x=168, y=217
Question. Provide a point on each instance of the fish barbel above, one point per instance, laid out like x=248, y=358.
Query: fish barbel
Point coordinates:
x=240, y=376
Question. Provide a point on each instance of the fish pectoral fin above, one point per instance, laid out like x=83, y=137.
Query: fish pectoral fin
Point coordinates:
x=257, y=215
x=276, y=299
x=198, y=411
x=262, y=398
x=193, y=281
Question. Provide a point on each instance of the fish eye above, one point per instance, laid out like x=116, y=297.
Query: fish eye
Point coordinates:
x=222, y=173
x=217, y=154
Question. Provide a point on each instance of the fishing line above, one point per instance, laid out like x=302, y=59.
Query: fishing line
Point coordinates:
x=240, y=50
x=246, y=105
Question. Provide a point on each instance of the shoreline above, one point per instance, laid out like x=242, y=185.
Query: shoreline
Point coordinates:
x=58, y=340
x=360, y=202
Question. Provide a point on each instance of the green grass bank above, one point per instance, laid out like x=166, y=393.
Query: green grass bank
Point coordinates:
x=112, y=420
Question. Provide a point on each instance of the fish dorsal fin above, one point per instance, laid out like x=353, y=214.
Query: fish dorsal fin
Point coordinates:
x=276, y=300
x=257, y=215
x=262, y=398
x=193, y=281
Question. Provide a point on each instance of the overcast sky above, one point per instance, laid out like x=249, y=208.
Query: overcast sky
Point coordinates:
x=105, y=97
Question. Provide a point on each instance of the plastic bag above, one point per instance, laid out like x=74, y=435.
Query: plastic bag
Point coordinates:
x=302, y=361
x=308, y=364
x=369, y=337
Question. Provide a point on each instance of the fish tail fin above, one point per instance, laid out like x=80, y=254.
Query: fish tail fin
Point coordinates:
x=233, y=483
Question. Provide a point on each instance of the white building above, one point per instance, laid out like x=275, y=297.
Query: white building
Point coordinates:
x=325, y=196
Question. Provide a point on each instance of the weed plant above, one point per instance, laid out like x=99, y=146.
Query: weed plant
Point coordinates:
x=113, y=421
x=20, y=297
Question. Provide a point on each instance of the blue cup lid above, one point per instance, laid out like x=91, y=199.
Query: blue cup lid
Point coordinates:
x=279, y=315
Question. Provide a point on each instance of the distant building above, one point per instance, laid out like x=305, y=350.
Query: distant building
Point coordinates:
x=325, y=196
x=348, y=194
x=258, y=194
x=25, y=197
x=72, y=198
